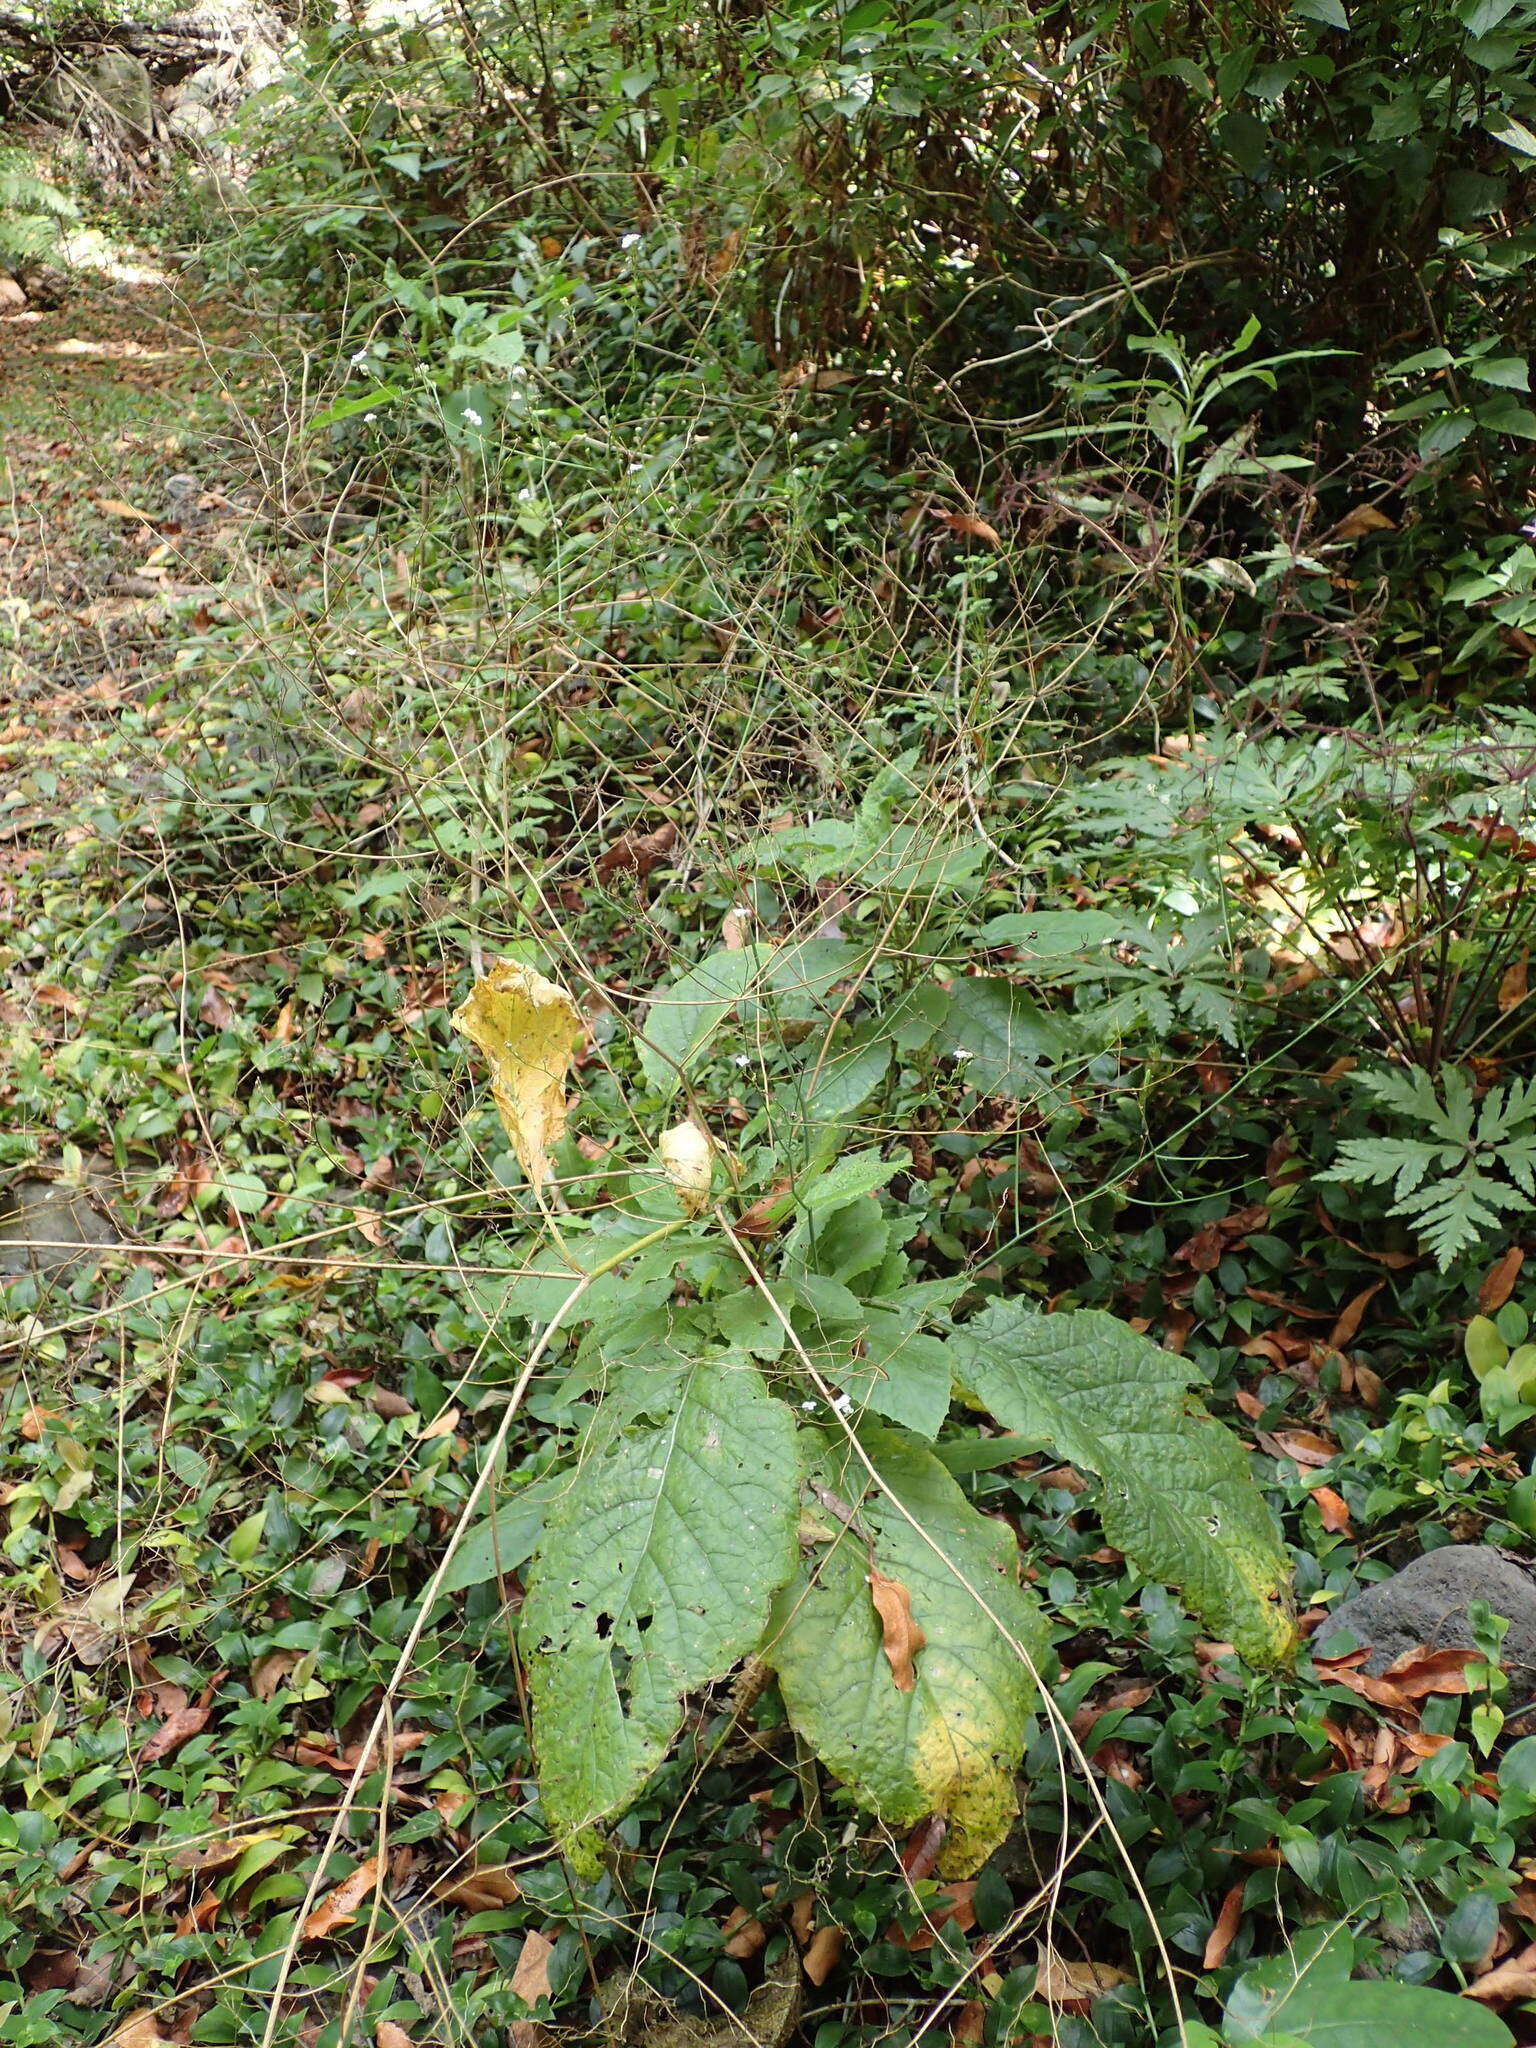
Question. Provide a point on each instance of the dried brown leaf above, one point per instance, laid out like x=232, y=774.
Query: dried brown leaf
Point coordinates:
x=1514, y=984
x=1515, y=1977
x=57, y=998
x=527, y=1028
x=481, y=1889
x=1075, y=1986
x=744, y=1934
x=173, y=1731
x=1420, y=1672
x=340, y=1908
x=1222, y=1935
x=1352, y=1315
x=140, y=2030
x=821, y=1958
x=1499, y=1281
x=530, y=1977
x=902, y=1638
x=967, y=523
x=1334, y=1510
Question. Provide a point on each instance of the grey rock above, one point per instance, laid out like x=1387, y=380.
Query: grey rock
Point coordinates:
x=205, y=87
x=191, y=122
x=12, y=297
x=121, y=86
x=1426, y=1603
x=42, y=1220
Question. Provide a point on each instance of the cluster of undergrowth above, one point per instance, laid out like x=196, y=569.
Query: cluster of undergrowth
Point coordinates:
x=956, y=581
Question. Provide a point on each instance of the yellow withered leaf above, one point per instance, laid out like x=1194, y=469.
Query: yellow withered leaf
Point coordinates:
x=687, y=1156
x=527, y=1027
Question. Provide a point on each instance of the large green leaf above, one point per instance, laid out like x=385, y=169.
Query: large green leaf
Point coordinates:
x=1308, y=1995
x=952, y=1744
x=681, y=1020
x=1178, y=1497
x=1007, y=1042
x=654, y=1576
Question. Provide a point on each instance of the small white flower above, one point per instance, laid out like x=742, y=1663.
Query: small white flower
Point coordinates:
x=741, y=1059
x=962, y=1052
x=360, y=359
x=473, y=417
x=628, y=241
x=370, y=415
x=809, y=1407
x=842, y=1404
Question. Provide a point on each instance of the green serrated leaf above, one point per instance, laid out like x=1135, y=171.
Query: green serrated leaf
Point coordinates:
x=860, y=1173
x=1178, y=1497
x=1006, y=1041
x=681, y=1020
x=952, y=1744
x=900, y=1373
x=655, y=1576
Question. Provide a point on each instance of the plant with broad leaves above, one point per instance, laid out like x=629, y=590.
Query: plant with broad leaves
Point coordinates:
x=760, y=1473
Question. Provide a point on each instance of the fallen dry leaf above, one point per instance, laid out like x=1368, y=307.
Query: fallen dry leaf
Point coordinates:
x=967, y=523
x=1420, y=1672
x=1352, y=1315
x=481, y=1889
x=1075, y=1986
x=387, y=2035
x=141, y=2030
x=1499, y=1281
x=340, y=1907
x=1304, y=1446
x=902, y=1636
x=1515, y=1977
x=744, y=1934
x=215, y=1009
x=970, y=2027
x=955, y=1905
x=35, y=1421
x=1362, y=520
x=1228, y=1920
x=173, y=1731
x=1514, y=985
x=1334, y=1510
x=821, y=1958
x=57, y=998
x=530, y=1978
x=636, y=853
x=527, y=1029
x=119, y=508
